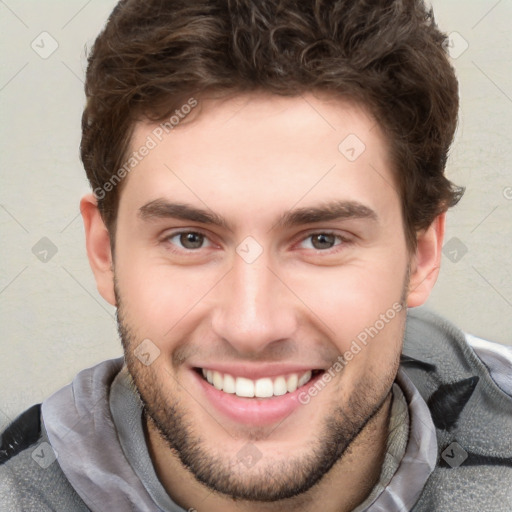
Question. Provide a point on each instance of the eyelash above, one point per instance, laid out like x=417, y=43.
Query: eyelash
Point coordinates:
x=342, y=241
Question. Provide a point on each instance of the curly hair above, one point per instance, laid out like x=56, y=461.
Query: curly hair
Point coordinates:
x=387, y=55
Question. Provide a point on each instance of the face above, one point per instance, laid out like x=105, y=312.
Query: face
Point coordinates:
x=260, y=253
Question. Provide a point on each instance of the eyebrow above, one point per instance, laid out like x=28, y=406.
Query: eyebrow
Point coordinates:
x=163, y=209
x=330, y=211
x=333, y=210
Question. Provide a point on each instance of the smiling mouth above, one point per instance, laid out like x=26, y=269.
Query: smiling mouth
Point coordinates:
x=260, y=388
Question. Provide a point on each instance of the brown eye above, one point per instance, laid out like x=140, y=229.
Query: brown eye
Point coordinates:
x=189, y=240
x=323, y=241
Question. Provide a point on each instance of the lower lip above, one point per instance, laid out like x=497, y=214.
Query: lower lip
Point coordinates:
x=253, y=411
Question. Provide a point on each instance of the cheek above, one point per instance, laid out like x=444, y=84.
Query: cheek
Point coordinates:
x=352, y=298
x=156, y=296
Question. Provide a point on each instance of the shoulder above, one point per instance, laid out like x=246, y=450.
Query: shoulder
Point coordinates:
x=21, y=433
x=497, y=358
x=431, y=338
x=30, y=476
x=466, y=384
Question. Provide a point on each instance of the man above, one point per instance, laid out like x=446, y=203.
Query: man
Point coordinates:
x=268, y=201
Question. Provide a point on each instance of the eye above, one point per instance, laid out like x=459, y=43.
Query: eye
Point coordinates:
x=321, y=241
x=189, y=240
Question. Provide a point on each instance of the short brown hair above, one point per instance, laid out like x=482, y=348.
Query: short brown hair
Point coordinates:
x=387, y=55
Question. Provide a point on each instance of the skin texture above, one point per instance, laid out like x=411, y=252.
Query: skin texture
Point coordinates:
x=250, y=159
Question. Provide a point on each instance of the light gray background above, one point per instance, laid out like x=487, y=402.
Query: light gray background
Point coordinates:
x=53, y=321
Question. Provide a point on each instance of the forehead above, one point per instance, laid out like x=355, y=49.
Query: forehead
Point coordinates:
x=258, y=153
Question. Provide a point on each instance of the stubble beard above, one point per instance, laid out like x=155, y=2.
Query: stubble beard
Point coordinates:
x=269, y=479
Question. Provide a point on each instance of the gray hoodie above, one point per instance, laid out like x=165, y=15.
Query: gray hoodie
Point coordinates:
x=449, y=445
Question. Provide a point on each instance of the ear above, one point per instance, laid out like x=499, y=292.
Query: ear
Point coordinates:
x=99, y=252
x=426, y=262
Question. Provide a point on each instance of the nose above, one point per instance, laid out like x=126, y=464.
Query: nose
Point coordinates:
x=254, y=308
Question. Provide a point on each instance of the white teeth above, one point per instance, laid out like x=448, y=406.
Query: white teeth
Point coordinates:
x=291, y=383
x=261, y=388
x=305, y=378
x=218, y=381
x=244, y=387
x=229, y=384
x=280, y=386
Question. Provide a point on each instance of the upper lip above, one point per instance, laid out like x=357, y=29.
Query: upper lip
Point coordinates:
x=257, y=371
